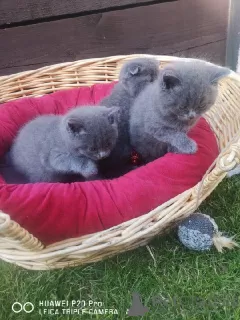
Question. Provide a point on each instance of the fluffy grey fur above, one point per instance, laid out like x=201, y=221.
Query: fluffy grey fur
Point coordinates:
x=134, y=76
x=165, y=110
x=50, y=147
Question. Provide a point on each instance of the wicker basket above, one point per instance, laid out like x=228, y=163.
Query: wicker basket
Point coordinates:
x=18, y=246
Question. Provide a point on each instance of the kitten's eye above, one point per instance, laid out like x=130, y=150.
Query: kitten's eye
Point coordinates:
x=92, y=149
x=111, y=119
x=108, y=146
x=214, y=83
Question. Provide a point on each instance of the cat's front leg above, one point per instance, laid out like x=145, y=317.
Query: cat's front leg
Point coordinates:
x=67, y=163
x=179, y=142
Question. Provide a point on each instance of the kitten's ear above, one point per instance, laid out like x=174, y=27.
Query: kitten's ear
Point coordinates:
x=75, y=127
x=218, y=73
x=134, y=69
x=170, y=80
x=113, y=115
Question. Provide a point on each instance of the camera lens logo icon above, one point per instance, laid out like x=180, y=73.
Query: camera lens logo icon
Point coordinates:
x=27, y=307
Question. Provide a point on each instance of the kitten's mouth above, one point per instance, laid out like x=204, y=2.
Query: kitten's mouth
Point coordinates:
x=188, y=120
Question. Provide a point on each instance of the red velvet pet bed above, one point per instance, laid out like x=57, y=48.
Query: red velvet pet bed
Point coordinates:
x=54, y=212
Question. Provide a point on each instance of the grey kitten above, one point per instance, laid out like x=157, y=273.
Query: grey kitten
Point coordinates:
x=51, y=147
x=165, y=110
x=134, y=76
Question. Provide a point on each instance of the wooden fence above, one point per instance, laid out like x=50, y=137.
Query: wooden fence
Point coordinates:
x=35, y=33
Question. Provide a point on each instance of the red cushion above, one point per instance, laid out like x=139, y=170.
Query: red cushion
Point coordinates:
x=54, y=212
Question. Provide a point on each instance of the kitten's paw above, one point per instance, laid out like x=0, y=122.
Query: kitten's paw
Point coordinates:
x=189, y=148
x=90, y=170
x=193, y=147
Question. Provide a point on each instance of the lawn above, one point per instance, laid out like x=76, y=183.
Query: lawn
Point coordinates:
x=179, y=284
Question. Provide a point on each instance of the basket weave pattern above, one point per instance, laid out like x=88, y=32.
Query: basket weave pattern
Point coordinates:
x=18, y=246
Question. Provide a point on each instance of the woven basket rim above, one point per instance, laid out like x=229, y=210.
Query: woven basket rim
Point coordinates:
x=165, y=58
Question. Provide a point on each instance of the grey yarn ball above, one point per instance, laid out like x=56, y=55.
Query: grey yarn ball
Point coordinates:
x=196, y=232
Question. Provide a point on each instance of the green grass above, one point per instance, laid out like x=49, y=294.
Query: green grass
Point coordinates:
x=181, y=285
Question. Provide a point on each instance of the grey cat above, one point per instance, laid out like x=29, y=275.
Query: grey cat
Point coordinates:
x=51, y=147
x=165, y=110
x=134, y=76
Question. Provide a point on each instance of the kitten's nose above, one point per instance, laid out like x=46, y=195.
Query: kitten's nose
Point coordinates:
x=191, y=115
x=103, y=154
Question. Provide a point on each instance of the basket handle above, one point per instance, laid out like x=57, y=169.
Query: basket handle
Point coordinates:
x=225, y=162
x=231, y=158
